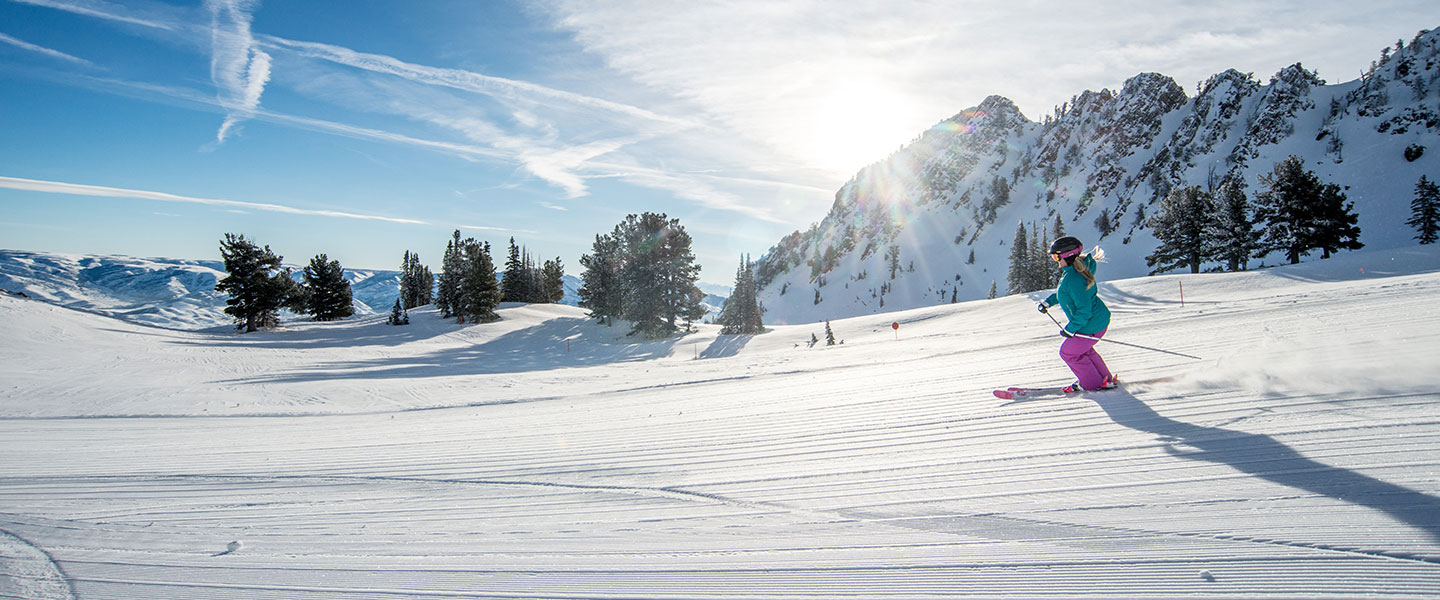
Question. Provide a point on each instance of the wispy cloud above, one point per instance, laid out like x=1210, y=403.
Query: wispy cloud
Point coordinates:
x=544, y=122
x=101, y=10
x=238, y=66
x=460, y=79
x=23, y=45
x=77, y=189
x=497, y=229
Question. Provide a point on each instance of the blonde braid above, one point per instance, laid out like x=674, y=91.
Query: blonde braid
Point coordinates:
x=1083, y=270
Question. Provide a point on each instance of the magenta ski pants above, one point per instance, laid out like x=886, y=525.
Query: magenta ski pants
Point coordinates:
x=1080, y=354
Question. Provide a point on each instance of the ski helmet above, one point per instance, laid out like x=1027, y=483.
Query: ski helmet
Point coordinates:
x=1066, y=247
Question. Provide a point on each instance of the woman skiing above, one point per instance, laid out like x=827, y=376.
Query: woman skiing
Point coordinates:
x=1088, y=316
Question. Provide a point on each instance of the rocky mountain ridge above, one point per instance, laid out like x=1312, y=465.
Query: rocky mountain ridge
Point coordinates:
x=933, y=222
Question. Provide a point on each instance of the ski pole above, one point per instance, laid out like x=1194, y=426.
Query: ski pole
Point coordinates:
x=1091, y=337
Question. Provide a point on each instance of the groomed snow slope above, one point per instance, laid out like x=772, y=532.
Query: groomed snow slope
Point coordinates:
x=546, y=457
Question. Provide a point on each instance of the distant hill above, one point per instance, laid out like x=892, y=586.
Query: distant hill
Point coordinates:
x=166, y=292
x=949, y=203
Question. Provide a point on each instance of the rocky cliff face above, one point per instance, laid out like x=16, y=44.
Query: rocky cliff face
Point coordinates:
x=933, y=222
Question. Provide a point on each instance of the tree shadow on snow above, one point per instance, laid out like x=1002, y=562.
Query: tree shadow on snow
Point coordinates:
x=1264, y=457
x=555, y=344
x=726, y=346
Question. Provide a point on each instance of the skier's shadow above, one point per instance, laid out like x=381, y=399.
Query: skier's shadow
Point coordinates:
x=1266, y=458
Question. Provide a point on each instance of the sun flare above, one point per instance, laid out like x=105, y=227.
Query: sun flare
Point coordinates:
x=856, y=125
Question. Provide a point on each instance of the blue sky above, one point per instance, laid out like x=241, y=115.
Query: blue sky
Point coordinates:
x=362, y=129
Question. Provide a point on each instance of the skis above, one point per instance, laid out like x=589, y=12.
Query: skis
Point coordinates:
x=1022, y=393
x=1025, y=393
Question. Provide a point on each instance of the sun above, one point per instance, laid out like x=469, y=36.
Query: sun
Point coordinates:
x=856, y=125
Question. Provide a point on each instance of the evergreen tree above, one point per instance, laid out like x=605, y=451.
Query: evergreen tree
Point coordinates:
x=407, y=283
x=993, y=290
x=554, y=281
x=417, y=283
x=536, y=284
x=1425, y=211
x=515, y=284
x=658, y=275
x=1043, y=273
x=892, y=257
x=1057, y=231
x=998, y=197
x=1103, y=223
x=453, y=270
x=329, y=297
x=257, y=285
x=1302, y=214
x=1019, y=278
x=1336, y=223
x=601, y=290
x=479, y=290
x=829, y=335
x=398, y=316
x=1181, y=222
x=1231, y=234
x=741, y=312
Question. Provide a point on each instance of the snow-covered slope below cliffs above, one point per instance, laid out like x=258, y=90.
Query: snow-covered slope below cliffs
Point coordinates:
x=937, y=221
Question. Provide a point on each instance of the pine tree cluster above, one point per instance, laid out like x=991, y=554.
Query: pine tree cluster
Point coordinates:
x=259, y=287
x=643, y=272
x=523, y=281
x=1031, y=268
x=741, y=313
x=468, y=289
x=1296, y=212
x=417, y=284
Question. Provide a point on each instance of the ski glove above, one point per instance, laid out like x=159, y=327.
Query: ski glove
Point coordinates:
x=1043, y=307
x=1066, y=334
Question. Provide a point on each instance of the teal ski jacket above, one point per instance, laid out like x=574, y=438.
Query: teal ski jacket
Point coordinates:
x=1082, y=305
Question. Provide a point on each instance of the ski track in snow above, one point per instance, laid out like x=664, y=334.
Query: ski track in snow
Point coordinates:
x=358, y=460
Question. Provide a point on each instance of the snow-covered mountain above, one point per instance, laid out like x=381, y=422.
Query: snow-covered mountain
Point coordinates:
x=166, y=292
x=949, y=203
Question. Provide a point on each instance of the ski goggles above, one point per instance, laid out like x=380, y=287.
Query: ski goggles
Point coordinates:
x=1058, y=256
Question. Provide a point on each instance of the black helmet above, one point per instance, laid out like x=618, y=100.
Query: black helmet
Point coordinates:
x=1066, y=247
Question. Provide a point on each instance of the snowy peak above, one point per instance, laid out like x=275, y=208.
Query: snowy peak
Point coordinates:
x=934, y=221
